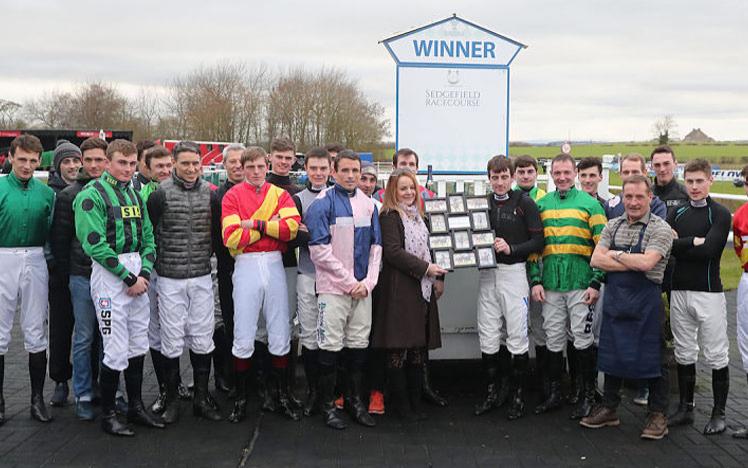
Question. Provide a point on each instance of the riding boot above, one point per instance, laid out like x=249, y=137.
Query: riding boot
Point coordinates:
x=686, y=386
x=541, y=374
x=157, y=407
x=311, y=370
x=241, y=381
x=171, y=403
x=290, y=377
x=720, y=387
x=37, y=372
x=2, y=399
x=520, y=363
x=202, y=406
x=586, y=370
x=109, y=381
x=219, y=356
x=261, y=364
x=136, y=412
x=575, y=375
x=490, y=370
x=555, y=398
x=327, y=376
x=415, y=390
x=398, y=392
x=353, y=402
x=504, y=388
x=281, y=389
x=429, y=394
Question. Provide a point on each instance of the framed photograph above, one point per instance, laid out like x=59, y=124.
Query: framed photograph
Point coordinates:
x=435, y=205
x=464, y=259
x=461, y=240
x=477, y=203
x=479, y=221
x=443, y=258
x=486, y=257
x=483, y=239
x=458, y=222
x=456, y=204
x=440, y=241
x=438, y=223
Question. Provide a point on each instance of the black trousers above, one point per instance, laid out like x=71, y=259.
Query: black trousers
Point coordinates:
x=61, y=323
x=225, y=296
x=658, y=391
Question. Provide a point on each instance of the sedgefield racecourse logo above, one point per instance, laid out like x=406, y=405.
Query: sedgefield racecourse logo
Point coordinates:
x=451, y=95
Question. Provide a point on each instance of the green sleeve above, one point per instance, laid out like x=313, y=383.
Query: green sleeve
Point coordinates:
x=148, y=245
x=90, y=228
x=533, y=263
x=597, y=223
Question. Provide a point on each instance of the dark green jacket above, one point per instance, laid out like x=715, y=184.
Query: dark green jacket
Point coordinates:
x=25, y=212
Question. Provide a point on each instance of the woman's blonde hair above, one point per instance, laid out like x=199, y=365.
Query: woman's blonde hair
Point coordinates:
x=390, y=192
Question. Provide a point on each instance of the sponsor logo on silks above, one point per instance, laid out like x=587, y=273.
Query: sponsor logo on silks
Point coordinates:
x=132, y=211
x=321, y=322
x=105, y=305
x=589, y=319
x=526, y=301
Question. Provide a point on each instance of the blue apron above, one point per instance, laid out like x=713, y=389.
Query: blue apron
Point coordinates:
x=630, y=337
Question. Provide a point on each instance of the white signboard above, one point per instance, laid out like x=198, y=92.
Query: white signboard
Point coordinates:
x=455, y=119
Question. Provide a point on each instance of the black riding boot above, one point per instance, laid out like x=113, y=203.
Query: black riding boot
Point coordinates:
x=505, y=374
x=555, y=398
x=686, y=386
x=491, y=372
x=541, y=372
x=398, y=393
x=202, y=406
x=415, y=390
x=37, y=372
x=157, y=407
x=290, y=378
x=108, y=381
x=720, y=387
x=576, y=387
x=281, y=389
x=136, y=412
x=327, y=375
x=353, y=402
x=586, y=370
x=220, y=356
x=261, y=364
x=311, y=370
x=2, y=399
x=520, y=363
x=241, y=382
x=429, y=394
x=171, y=403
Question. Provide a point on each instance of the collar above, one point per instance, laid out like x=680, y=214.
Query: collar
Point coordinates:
x=183, y=183
x=273, y=177
x=567, y=194
x=255, y=188
x=22, y=184
x=108, y=178
x=501, y=198
x=142, y=179
x=340, y=189
x=701, y=203
x=643, y=220
x=83, y=176
x=314, y=189
x=667, y=186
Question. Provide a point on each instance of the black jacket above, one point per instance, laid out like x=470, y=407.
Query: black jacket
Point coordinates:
x=225, y=260
x=673, y=194
x=517, y=221
x=56, y=183
x=66, y=249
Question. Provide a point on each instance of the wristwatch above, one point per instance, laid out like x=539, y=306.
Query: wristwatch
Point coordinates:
x=618, y=255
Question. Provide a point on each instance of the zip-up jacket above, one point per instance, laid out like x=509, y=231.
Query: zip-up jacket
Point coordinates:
x=111, y=219
x=273, y=208
x=740, y=235
x=517, y=221
x=25, y=212
x=345, y=242
x=303, y=201
x=673, y=194
x=225, y=260
x=181, y=225
x=572, y=226
x=70, y=259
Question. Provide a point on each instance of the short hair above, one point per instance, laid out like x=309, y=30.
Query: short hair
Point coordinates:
x=561, y=158
x=282, y=144
x=638, y=179
x=636, y=157
x=744, y=172
x=124, y=147
x=317, y=153
x=334, y=148
x=232, y=147
x=525, y=161
x=253, y=153
x=26, y=142
x=403, y=152
x=93, y=143
x=586, y=163
x=185, y=146
x=662, y=149
x=143, y=145
x=499, y=164
x=155, y=152
x=347, y=154
x=698, y=165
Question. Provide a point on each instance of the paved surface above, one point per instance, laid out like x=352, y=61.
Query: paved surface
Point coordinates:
x=451, y=437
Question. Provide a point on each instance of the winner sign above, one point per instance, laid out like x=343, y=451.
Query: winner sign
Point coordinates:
x=453, y=93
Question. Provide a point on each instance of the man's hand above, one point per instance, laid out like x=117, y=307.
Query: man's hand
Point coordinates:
x=140, y=287
x=359, y=291
x=538, y=293
x=248, y=224
x=500, y=246
x=438, y=288
x=591, y=295
x=302, y=227
x=697, y=241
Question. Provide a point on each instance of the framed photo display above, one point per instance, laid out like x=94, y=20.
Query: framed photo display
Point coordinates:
x=486, y=257
x=464, y=259
x=438, y=223
x=461, y=240
x=483, y=239
x=443, y=258
x=441, y=241
x=456, y=204
x=479, y=221
x=477, y=203
x=458, y=222
x=435, y=205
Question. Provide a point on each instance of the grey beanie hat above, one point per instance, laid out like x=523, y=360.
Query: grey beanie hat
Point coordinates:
x=65, y=149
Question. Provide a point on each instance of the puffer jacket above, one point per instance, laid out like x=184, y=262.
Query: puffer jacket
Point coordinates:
x=67, y=252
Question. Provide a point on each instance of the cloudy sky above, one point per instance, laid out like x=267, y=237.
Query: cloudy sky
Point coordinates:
x=603, y=69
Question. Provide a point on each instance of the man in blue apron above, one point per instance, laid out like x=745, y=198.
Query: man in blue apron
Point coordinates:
x=633, y=250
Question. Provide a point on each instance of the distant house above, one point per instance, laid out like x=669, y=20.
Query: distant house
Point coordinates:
x=697, y=136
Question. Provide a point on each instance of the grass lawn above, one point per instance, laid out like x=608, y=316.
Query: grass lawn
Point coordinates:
x=730, y=269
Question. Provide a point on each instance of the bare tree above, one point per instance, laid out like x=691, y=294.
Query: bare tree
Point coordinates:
x=664, y=129
x=10, y=114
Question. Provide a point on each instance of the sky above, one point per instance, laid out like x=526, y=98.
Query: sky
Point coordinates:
x=594, y=70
